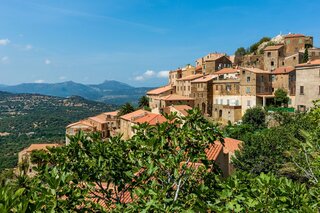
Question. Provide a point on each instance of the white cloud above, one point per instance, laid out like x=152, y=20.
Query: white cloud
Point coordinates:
x=152, y=74
x=47, y=61
x=163, y=74
x=139, y=78
x=28, y=47
x=149, y=73
x=5, y=59
x=4, y=42
x=39, y=81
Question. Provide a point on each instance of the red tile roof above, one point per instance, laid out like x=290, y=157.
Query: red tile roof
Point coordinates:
x=152, y=119
x=182, y=108
x=160, y=90
x=204, y=79
x=283, y=70
x=175, y=97
x=190, y=77
x=134, y=115
x=230, y=146
x=294, y=35
x=255, y=70
x=81, y=123
x=310, y=63
x=274, y=47
x=199, y=68
x=227, y=71
x=42, y=146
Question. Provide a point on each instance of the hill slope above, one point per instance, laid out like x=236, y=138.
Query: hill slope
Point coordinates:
x=27, y=118
x=109, y=91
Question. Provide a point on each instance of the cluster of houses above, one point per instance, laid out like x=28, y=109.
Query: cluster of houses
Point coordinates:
x=223, y=87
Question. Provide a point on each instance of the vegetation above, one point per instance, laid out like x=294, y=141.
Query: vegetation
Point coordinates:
x=255, y=117
x=241, y=51
x=144, y=102
x=27, y=119
x=281, y=97
x=125, y=109
x=165, y=169
x=305, y=58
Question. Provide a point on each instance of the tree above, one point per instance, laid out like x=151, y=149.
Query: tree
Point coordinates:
x=305, y=56
x=281, y=97
x=144, y=102
x=241, y=51
x=125, y=109
x=255, y=117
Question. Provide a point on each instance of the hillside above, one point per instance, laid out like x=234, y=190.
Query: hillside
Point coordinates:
x=27, y=118
x=113, y=92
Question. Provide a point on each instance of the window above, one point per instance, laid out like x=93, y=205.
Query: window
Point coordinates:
x=269, y=54
x=294, y=58
x=228, y=87
x=237, y=102
x=248, y=90
x=248, y=79
x=188, y=88
x=301, y=90
x=273, y=78
x=243, y=72
x=262, y=78
x=283, y=63
x=221, y=101
x=228, y=102
x=272, y=63
x=248, y=103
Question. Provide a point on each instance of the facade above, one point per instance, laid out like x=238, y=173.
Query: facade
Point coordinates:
x=184, y=85
x=213, y=62
x=307, y=84
x=181, y=110
x=74, y=128
x=175, y=99
x=155, y=95
x=24, y=157
x=296, y=42
x=273, y=57
x=201, y=91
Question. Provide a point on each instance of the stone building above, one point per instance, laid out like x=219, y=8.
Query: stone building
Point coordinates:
x=273, y=57
x=24, y=158
x=226, y=96
x=175, y=99
x=213, y=62
x=255, y=61
x=285, y=78
x=201, y=91
x=307, y=84
x=155, y=95
x=313, y=53
x=181, y=110
x=184, y=85
x=296, y=42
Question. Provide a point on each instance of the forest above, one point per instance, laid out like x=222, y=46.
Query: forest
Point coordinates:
x=164, y=169
x=27, y=119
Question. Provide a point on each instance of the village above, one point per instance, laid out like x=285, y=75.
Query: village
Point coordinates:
x=222, y=87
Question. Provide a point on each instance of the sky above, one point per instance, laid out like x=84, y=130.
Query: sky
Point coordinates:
x=135, y=41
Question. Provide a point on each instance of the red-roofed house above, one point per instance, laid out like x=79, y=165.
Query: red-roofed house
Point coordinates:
x=24, y=157
x=213, y=62
x=155, y=94
x=296, y=42
x=222, y=154
x=181, y=110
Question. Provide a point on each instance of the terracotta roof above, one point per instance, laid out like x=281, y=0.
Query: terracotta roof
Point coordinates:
x=151, y=119
x=199, y=68
x=213, y=56
x=134, y=115
x=182, y=108
x=190, y=77
x=159, y=90
x=205, y=78
x=273, y=47
x=310, y=63
x=255, y=70
x=99, y=118
x=114, y=113
x=227, y=71
x=230, y=146
x=42, y=146
x=294, y=35
x=283, y=70
x=175, y=97
x=80, y=123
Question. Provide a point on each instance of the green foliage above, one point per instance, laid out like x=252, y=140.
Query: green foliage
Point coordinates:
x=256, y=117
x=281, y=97
x=144, y=101
x=305, y=58
x=241, y=51
x=125, y=109
x=264, y=193
x=254, y=47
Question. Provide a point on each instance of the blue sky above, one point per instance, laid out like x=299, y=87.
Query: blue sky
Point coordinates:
x=134, y=41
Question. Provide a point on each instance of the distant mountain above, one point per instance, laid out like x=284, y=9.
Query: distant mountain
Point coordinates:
x=31, y=118
x=113, y=92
